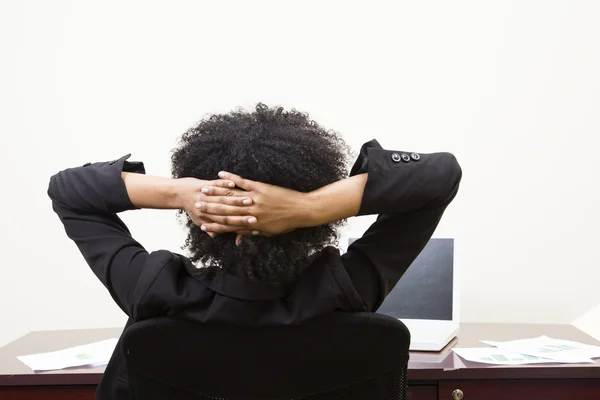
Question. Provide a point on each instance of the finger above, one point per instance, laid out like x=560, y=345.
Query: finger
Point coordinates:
x=233, y=201
x=222, y=191
x=227, y=196
x=241, y=235
x=201, y=221
x=248, y=233
x=222, y=228
x=235, y=221
x=246, y=184
x=224, y=183
x=221, y=209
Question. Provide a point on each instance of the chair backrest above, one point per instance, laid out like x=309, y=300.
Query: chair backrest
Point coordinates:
x=342, y=356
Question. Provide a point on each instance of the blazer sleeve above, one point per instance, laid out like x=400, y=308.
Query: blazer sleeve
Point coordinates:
x=87, y=200
x=409, y=192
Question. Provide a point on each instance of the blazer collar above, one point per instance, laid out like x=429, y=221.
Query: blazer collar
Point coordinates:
x=233, y=286
x=244, y=289
x=240, y=288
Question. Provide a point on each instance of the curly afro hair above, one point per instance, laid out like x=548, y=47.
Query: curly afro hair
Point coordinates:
x=270, y=145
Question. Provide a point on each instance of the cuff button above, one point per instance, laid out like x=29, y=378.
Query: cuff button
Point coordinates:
x=405, y=157
x=415, y=156
x=396, y=157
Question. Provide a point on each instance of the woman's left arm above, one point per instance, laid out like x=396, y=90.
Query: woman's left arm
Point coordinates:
x=87, y=200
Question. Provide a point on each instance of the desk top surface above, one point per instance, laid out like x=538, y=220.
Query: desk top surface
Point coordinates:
x=422, y=365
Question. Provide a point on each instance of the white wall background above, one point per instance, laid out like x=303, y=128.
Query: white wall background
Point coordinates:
x=511, y=87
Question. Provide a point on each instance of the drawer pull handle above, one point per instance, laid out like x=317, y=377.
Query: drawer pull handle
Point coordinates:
x=457, y=394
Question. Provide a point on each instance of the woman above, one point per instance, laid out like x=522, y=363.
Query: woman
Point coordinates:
x=262, y=193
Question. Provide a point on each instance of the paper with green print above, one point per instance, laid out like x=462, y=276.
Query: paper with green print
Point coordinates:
x=559, y=350
x=92, y=354
x=494, y=355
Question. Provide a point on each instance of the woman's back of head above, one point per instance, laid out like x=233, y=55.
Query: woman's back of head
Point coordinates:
x=269, y=145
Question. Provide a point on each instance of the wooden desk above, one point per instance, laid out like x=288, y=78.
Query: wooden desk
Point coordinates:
x=431, y=375
x=437, y=375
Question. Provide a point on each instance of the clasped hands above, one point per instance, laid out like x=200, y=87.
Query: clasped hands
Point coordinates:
x=242, y=206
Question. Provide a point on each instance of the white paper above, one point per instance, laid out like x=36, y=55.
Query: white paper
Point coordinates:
x=93, y=354
x=556, y=349
x=493, y=355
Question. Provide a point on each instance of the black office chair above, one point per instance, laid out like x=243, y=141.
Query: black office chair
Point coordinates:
x=342, y=356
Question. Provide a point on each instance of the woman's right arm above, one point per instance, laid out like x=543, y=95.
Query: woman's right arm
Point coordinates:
x=382, y=182
x=279, y=210
x=408, y=191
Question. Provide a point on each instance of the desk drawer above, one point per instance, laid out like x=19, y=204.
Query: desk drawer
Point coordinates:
x=520, y=389
x=422, y=392
x=74, y=392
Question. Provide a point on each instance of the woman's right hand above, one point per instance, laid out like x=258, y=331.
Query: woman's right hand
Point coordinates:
x=277, y=210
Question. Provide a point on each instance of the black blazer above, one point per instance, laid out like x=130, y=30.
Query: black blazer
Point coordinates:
x=409, y=191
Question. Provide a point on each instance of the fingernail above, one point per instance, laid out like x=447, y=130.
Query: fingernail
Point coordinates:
x=198, y=205
x=251, y=220
x=247, y=202
x=222, y=174
x=231, y=184
x=205, y=190
x=255, y=233
x=203, y=227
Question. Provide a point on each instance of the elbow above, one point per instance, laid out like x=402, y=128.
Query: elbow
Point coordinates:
x=56, y=186
x=448, y=178
x=51, y=191
x=453, y=170
x=57, y=192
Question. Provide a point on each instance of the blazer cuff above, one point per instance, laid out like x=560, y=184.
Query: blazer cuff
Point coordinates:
x=361, y=165
x=104, y=179
x=374, y=160
x=120, y=201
